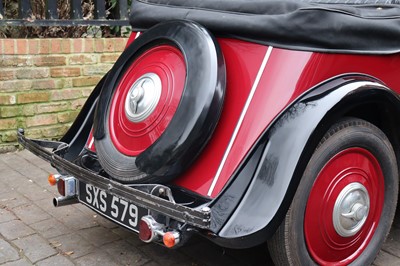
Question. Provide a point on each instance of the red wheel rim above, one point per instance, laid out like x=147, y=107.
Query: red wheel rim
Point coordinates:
x=167, y=62
x=351, y=166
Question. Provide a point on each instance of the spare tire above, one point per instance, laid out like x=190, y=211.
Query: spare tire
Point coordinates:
x=160, y=103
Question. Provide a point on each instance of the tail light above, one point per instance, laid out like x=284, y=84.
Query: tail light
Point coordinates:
x=150, y=230
x=66, y=185
x=170, y=239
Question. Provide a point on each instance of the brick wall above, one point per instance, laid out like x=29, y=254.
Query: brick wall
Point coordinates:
x=45, y=82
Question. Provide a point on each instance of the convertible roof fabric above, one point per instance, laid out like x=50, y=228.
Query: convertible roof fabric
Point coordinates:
x=366, y=27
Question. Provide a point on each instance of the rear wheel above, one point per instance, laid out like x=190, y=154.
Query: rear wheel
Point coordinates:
x=345, y=202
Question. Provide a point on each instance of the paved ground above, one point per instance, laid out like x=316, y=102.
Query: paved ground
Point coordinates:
x=32, y=231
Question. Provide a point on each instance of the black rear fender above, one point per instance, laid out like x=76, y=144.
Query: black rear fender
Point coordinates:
x=289, y=143
x=78, y=133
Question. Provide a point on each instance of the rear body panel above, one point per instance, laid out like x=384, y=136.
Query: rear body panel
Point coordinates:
x=287, y=75
x=278, y=104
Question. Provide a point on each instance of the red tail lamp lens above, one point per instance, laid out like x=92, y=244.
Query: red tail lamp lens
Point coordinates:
x=145, y=232
x=61, y=187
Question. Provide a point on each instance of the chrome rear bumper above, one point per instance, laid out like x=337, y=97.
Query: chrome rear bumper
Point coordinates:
x=53, y=151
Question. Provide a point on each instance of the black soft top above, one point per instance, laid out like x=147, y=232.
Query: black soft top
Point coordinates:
x=349, y=26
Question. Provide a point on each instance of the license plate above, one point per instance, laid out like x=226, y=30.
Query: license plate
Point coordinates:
x=112, y=207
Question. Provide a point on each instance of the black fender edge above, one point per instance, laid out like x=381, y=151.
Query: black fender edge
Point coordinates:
x=260, y=204
x=78, y=133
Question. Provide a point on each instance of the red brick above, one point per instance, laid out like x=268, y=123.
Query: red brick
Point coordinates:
x=7, y=74
x=15, y=85
x=66, y=94
x=86, y=91
x=85, y=81
x=65, y=72
x=52, y=107
x=9, y=111
x=41, y=120
x=13, y=61
x=33, y=47
x=78, y=104
x=44, y=46
x=9, y=46
x=67, y=116
x=10, y=123
x=43, y=84
x=63, y=83
x=34, y=133
x=82, y=59
x=33, y=97
x=9, y=136
x=109, y=58
x=77, y=45
x=7, y=99
x=89, y=45
x=55, y=46
x=29, y=109
x=120, y=44
x=66, y=46
x=96, y=69
x=109, y=45
x=22, y=46
x=54, y=131
x=99, y=45
x=50, y=60
x=32, y=73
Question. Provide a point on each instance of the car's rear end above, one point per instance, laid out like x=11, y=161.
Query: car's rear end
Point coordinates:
x=207, y=121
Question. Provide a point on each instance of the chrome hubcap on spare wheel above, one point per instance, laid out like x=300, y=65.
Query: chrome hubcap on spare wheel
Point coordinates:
x=351, y=209
x=143, y=97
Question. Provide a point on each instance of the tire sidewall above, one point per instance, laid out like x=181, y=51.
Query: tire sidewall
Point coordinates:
x=369, y=138
x=192, y=124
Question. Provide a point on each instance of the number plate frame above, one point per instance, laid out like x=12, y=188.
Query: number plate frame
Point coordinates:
x=110, y=206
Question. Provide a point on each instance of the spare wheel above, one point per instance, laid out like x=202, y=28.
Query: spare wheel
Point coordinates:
x=160, y=103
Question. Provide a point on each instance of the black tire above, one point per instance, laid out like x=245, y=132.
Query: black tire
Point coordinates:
x=194, y=121
x=290, y=246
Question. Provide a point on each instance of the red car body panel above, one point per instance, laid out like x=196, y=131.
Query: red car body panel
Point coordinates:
x=286, y=76
x=278, y=87
x=242, y=67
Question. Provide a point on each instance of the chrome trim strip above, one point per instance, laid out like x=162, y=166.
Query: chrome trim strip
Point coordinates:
x=91, y=143
x=241, y=118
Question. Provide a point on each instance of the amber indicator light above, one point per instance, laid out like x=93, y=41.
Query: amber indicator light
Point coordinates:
x=52, y=179
x=169, y=239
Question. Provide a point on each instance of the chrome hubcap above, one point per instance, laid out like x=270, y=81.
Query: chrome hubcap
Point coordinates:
x=143, y=97
x=351, y=209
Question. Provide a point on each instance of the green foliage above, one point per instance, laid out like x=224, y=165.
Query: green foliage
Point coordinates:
x=113, y=3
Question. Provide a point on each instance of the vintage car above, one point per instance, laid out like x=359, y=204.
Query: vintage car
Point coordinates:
x=245, y=122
